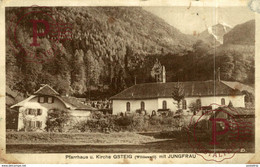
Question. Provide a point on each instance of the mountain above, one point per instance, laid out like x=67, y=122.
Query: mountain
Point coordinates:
x=112, y=47
x=242, y=34
x=215, y=33
x=235, y=58
x=108, y=45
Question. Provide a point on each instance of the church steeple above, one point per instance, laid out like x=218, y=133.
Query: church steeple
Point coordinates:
x=163, y=75
x=158, y=72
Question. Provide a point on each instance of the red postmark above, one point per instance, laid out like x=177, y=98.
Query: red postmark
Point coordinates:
x=37, y=32
x=220, y=133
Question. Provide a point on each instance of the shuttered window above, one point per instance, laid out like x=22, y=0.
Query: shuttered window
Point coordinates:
x=50, y=99
x=41, y=99
x=32, y=124
x=38, y=124
x=39, y=112
x=184, y=104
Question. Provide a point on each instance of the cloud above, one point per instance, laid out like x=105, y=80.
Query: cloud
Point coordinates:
x=254, y=5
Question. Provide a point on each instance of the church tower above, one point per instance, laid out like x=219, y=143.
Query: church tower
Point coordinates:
x=158, y=72
x=163, y=80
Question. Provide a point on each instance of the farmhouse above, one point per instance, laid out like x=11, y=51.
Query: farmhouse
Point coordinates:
x=33, y=111
x=157, y=96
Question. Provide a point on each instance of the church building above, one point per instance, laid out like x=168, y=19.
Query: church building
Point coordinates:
x=157, y=96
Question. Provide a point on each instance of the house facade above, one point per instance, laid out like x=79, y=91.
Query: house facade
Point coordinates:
x=151, y=97
x=33, y=111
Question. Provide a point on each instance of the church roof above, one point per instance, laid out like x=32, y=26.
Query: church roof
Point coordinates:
x=46, y=90
x=164, y=90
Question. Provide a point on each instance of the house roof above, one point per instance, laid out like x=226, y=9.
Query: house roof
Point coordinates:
x=69, y=102
x=23, y=102
x=163, y=90
x=46, y=90
x=76, y=103
x=239, y=110
x=240, y=86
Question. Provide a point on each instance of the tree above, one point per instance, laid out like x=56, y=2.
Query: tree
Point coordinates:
x=178, y=94
x=57, y=119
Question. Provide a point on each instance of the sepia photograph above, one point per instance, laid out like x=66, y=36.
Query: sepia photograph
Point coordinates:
x=137, y=79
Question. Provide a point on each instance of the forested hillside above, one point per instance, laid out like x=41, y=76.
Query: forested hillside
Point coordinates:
x=114, y=46
x=107, y=44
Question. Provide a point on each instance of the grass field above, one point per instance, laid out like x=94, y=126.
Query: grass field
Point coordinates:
x=122, y=142
x=77, y=138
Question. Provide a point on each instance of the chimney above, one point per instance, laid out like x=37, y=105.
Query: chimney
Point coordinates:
x=163, y=75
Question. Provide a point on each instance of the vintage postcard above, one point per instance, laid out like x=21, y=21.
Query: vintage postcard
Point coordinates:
x=87, y=82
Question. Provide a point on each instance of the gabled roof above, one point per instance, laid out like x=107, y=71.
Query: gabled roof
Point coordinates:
x=22, y=103
x=46, y=90
x=76, y=103
x=164, y=90
x=240, y=86
x=69, y=102
x=238, y=110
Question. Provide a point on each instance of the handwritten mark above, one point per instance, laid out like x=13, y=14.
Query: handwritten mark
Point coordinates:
x=254, y=5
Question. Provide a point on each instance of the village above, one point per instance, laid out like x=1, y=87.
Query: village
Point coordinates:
x=129, y=80
x=164, y=109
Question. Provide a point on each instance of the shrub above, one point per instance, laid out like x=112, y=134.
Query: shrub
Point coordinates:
x=57, y=120
x=124, y=121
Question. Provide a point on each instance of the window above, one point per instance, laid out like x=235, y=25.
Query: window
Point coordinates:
x=198, y=102
x=39, y=112
x=222, y=101
x=35, y=112
x=31, y=111
x=45, y=99
x=164, y=104
x=41, y=99
x=184, y=104
x=50, y=100
x=38, y=124
x=142, y=106
x=128, y=106
x=31, y=124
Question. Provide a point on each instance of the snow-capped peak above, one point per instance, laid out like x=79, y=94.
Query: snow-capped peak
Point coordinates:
x=215, y=36
x=225, y=25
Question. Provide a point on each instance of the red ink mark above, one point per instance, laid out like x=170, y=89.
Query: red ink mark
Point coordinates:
x=214, y=129
x=36, y=34
x=41, y=23
x=218, y=134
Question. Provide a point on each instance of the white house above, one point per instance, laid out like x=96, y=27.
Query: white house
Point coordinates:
x=33, y=111
x=149, y=97
x=158, y=96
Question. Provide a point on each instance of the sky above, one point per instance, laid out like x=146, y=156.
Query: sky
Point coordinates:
x=197, y=19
